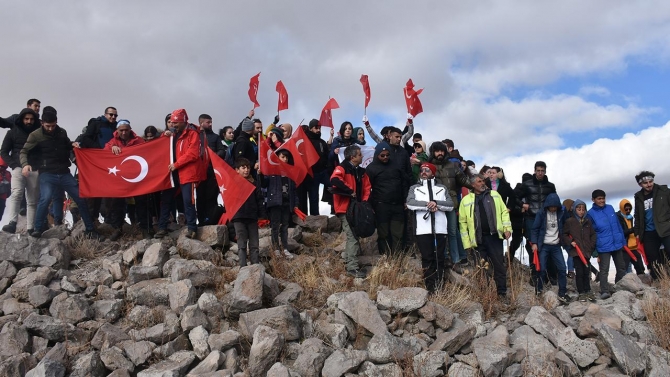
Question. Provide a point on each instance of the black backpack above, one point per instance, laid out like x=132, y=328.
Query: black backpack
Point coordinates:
x=361, y=218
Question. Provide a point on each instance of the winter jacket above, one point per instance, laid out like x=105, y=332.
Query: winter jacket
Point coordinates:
x=609, y=234
x=505, y=191
x=245, y=148
x=191, y=162
x=400, y=160
x=97, y=133
x=116, y=141
x=10, y=121
x=386, y=181
x=348, y=179
x=451, y=176
x=253, y=208
x=580, y=231
x=540, y=224
x=15, y=139
x=419, y=196
x=423, y=157
x=338, y=142
x=321, y=148
x=661, y=210
x=51, y=151
x=535, y=193
x=466, y=219
x=215, y=143
x=274, y=197
x=627, y=225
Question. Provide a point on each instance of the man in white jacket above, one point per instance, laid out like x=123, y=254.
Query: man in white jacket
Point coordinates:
x=430, y=201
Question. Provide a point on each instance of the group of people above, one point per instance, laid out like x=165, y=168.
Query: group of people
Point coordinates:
x=423, y=195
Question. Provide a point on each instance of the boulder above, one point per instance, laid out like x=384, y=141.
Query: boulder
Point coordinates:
x=21, y=286
x=430, y=363
x=437, y=313
x=289, y=295
x=343, y=361
x=385, y=348
x=631, y=283
x=451, y=341
x=182, y=294
x=334, y=333
x=359, y=307
x=28, y=251
x=107, y=336
x=113, y=359
x=72, y=309
x=167, y=330
x=627, y=354
x=150, y=292
x=224, y=340
x=138, y=352
x=89, y=365
x=211, y=363
x=311, y=356
x=198, y=338
x=107, y=310
x=155, y=256
x=492, y=352
x=544, y=323
x=267, y=344
x=193, y=317
x=202, y=273
x=532, y=345
x=40, y=296
x=213, y=235
x=137, y=274
x=594, y=316
x=247, y=294
x=196, y=250
x=7, y=270
x=566, y=365
x=402, y=300
x=52, y=328
x=14, y=340
x=583, y=352
x=175, y=365
x=284, y=319
x=92, y=278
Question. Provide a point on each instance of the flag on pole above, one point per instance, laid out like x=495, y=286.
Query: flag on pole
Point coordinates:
x=282, y=103
x=412, y=99
x=366, y=89
x=326, y=119
x=253, y=90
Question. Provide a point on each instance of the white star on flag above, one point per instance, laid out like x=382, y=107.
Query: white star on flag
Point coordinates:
x=113, y=170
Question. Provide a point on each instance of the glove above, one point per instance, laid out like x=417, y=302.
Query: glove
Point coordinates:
x=276, y=121
x=365, y=120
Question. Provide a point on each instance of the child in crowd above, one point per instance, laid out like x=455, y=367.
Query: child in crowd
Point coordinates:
x=281, y=200
x=419, y=157
x=578, y=232
x=626, y=220
x=245, y=220
x=546, y=240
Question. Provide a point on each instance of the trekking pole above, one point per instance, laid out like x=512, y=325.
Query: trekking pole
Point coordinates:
x=511, y=270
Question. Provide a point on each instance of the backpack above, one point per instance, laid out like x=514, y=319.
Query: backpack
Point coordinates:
x=361, y=218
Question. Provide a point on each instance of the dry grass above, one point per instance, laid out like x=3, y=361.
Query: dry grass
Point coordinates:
x=394, y=271
x=85, y=248
x=226, y=276
x=657, y=310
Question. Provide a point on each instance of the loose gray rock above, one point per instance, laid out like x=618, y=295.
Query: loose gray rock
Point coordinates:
x=247, y=294
x=14, y=340
x=343, y=361
x=583, y=352
x=566, y=365
x=224, y=340
x=313, y=353
x=627, y=354
x=163, y=332
x=533, y=345
x=630, y=283
x=210, y=364
x=7, y=270
x=210, y=305
x=386, y=348
x=155, y=256
x=40, y=296
x=289, y=295
x=284, y=319
x=182, y=294
x=52, y=328
x=107, y=310
x=21, y=286
x=196, y=250
x=402, y=300
x=363, y=311
x=430, y=363
x=113, y=359
x=201, y=273
x=176, y=365
x=594, y=316
x=150, y=292
x=266, y=347
x=193, y=317
x=137, y=274
x=28, y=251
x=442, y=316
x=544, y=323
x=459, y=369
x=493, y=353
x=138, y=352
x=451, y=341
x=72, y=309
x=198, y=338
x=47, y=368
x=213, y=235
x=107, y=336
x=89, y=365
x=92, y=278
x=333, y=333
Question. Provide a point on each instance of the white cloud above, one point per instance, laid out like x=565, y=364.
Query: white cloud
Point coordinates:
x=594, y=90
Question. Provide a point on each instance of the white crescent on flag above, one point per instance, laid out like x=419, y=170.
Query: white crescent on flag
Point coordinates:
x=144, y=168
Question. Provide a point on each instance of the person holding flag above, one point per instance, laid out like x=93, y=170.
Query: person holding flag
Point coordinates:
x=308, y=191
x=579, y=234
x=280, y=201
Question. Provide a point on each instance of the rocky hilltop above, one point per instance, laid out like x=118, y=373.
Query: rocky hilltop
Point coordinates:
x=182, y=307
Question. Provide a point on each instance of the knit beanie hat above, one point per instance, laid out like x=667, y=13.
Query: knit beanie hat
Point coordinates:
x=247, y=125
x=279, y=132
x=314, y=123
x=179, y=115
x=383, y=146
x=429, y=166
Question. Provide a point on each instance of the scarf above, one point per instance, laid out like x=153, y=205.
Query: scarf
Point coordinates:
x=486, y=200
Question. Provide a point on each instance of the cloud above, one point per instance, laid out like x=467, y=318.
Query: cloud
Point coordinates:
x=599, y=91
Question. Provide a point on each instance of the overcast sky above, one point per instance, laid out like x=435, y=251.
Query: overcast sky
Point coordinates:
x=580, y=85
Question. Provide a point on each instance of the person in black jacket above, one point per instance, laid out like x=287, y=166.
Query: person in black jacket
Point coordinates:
x=208, y=190
x=280, y=201
x=12, y=144
x=495, y=180
x=309, y=188
x=387, y=199
x=652, y=211
x=246, y=219
x=244, y=147
x=33, y=104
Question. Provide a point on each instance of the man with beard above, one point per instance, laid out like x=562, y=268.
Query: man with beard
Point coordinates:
x=50, y=149
x=387, y=199
x=14, y=141
x=33, y=104
x=652, y=209
x=449, y=174
x=309, y=189
x=208, y=190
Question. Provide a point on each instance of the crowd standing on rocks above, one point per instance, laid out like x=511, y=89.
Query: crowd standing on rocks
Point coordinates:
x=104, y=298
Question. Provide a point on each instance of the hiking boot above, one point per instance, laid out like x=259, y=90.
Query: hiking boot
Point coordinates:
x=36, y=233
x=564, y=299
x=605, y=295
x=93, y=235
x=458, y=268
x=591, y=296
x=287, y=254
x=582, y=297
x=116, y=234
x=29, y=230
x=161, y=233
x=10, y=227
x=571, y=275
x=22, y=211
x=357, y=274
x=191, y=234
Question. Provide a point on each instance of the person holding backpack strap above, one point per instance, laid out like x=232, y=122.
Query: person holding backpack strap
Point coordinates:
x=349, y=181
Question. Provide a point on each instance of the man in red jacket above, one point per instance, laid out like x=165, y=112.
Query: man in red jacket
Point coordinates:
x=123, y=137
x=189, y=167
x=350, y=181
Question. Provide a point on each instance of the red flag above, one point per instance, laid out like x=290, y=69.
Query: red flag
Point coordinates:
x=326, y=119
x=301, y=215
x=580, y=254
x=298, y=170
x=282, y=104
x=630, y=253
x=640, y=249
x=271, y=164
x=366, y=89
x=234, y=189
x=306, y=149
x=268, y=161
x=412, y=99
x=137, y=170
x=253, y=90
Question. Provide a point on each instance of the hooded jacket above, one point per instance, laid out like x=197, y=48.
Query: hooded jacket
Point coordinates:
x=385, y=179
x=535, y=192
x=660, y=211
x=466, y=219
x=190, y=163
x=16, y=138
x=418, y=197
x=540, y=224
x=579, y=230
x=627, y=225
x=97, y=133
x=448, y=173
x=245, y=148
x=609, y=234
x=349, y=179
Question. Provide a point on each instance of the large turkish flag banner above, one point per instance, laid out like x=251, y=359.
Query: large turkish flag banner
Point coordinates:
x=137, y=170
x=234, y=189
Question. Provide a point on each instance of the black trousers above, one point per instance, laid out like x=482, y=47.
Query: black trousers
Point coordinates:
x=207, y=194
x=652, y=247
x=279, y=218
x=491, y=250
x=619, y=265
x=432, y=259
x=390, y=220
x=582, y=276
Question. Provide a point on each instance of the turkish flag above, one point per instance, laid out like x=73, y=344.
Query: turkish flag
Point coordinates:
x=268, y=160
x=137, y=170
x=282, y=103
x=306, y=149
x=326, y=119
x=298, y=170
x=253, y=90
x=366, y=89
x=412, y=99
x=234, y=189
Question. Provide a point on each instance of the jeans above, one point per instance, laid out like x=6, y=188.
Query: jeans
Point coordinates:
x=50, y=182
x=432, y=250
x=571, y=264
x=247, y=231
x=551, y=273
x=279, y=218
x=619, y=265
x=352, y=246
x=652, y=247
x=320, y=178
x=455, y=242
x=20, y=184
x=491, y=249
x=168, y=200
x=56, y=207
x=552, y=253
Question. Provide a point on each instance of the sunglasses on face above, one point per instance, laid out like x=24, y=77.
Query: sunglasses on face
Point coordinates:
x=426, y=170
x=113, y=115
x=385, y=155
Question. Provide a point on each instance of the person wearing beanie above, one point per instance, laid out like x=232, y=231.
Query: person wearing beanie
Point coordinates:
x=51, y=146
x=308, y=191
x=22, y=187
x=652, y=209
x=484, y=222
x=418, y=157
x=450, y=175
x=610, y=240
x=244, y=147
x=430, y=202
x=387, y=199
x=625, y=216
x=275, y=138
